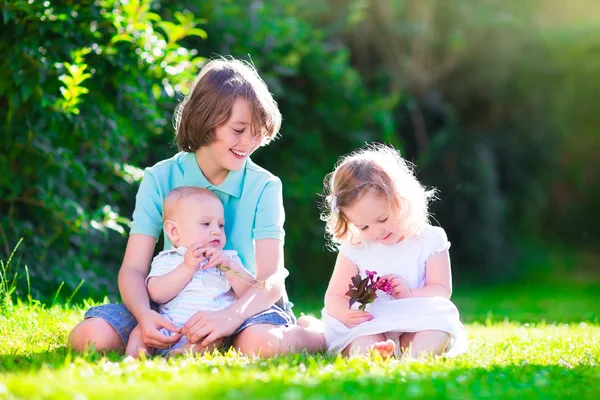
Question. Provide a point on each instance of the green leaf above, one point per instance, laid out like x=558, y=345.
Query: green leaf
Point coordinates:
x=351, y=303
x=362, y=286
x=198, y=32
x=121, y=38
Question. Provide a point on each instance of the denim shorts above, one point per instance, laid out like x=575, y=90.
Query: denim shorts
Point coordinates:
x=119, y=317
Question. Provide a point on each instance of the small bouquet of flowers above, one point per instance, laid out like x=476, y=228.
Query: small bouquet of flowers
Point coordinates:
x=364, y=291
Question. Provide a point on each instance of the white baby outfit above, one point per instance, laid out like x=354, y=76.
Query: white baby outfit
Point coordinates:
x=407, y=259
x=208, y=290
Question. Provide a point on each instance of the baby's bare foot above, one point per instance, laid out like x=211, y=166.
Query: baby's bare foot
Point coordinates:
x=311, y=323
x=385, y=349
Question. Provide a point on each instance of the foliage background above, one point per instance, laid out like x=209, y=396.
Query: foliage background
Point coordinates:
x=494, y=101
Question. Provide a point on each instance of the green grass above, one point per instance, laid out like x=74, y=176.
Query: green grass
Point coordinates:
x=538, y=339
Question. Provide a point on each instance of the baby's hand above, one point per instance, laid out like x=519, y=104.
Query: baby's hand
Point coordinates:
x=351, y=318
x=217, y=258
x=194, y=256
x=399, y=286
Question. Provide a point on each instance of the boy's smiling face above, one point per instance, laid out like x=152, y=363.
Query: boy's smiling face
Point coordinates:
x=197, y=218
x=234, y=141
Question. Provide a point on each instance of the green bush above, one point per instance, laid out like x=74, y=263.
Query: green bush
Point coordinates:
x=84, y=91
x=73, y=160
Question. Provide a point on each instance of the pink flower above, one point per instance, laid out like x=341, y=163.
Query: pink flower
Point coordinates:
x=363, y=291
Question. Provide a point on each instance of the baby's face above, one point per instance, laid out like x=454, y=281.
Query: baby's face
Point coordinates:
x=374, y=219
x=200, y=219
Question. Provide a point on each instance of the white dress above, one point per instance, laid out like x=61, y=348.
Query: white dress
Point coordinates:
x=390, y=315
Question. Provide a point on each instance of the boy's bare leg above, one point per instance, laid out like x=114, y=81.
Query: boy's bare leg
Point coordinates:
x=135, y=346
x=265, y=340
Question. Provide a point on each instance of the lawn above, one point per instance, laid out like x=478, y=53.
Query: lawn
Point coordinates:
x=529, y=340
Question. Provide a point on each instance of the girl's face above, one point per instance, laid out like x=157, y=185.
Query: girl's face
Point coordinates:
x=234, y=141
x=374, y=219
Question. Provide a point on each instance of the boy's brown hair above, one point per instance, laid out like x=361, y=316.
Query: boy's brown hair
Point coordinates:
x=211, y=99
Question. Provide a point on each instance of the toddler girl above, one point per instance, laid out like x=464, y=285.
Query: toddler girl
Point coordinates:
x=378, y=219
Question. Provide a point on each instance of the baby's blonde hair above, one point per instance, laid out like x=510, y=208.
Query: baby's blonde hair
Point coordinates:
x=177, y=195
x=379, y=168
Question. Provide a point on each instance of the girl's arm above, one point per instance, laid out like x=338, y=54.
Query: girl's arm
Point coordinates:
x=438, y=277
x=337, y=304
x=165, y=287
x=132, y=286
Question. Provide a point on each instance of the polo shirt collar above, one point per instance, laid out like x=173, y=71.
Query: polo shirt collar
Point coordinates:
x=193, y=176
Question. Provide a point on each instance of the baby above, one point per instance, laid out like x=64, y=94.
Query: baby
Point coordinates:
x=185, y=279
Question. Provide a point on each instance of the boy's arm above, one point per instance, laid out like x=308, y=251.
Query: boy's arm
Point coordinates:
x=134, y=292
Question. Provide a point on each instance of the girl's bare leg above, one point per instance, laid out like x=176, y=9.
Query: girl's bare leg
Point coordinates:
x=364, y=345
x=424, y=343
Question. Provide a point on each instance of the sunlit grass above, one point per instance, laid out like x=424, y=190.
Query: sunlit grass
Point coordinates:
x=537, y=339
x=505, y=360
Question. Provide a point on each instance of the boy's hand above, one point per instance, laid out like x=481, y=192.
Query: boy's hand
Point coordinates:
x=194, y=256
x=351, y=318
x=151, y=323
x=399, y=285
x=217, y=258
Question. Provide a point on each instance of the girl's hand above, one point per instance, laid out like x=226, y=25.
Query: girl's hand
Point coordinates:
x=399, y=286
x=194, y=256
x=151, y=323
x=217, y=258
x=351, y=318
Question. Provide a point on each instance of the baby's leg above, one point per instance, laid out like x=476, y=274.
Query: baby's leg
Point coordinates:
x=364, y=345
x=424, y=343
x=135, y=345
x=196, y=348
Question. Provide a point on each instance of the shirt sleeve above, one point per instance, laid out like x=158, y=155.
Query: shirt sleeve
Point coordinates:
x=147, y=215
x=436, y=241
x=163, y=264
x=350, y=251
x=270, y=215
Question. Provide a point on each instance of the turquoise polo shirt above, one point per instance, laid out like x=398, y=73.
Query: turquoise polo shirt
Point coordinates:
x=252, y=198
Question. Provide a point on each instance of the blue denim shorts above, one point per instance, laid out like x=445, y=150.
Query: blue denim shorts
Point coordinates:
x=119, y=317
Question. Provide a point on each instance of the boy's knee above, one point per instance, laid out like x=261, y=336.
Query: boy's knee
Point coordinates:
x=96, y=332
x=260, y=341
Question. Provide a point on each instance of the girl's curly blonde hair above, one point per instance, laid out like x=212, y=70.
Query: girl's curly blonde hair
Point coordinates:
x=379, y=168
